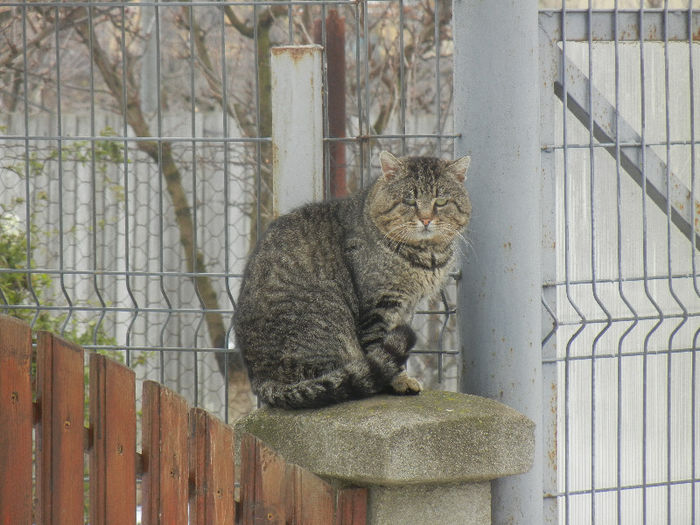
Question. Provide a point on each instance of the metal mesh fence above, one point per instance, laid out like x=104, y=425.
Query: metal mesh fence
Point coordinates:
x=620, y=144
x=135, y=173
x=135, y=176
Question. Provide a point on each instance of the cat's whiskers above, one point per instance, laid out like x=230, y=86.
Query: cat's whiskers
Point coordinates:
x=457, y=237
x=402, y=231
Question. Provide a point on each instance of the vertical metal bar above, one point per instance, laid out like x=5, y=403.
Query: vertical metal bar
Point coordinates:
x=669, y=370
x=59, y=159
x=127, y=210
x=591, y=158
x=441, y=336
x=27, y=168
x=567, y=280
x=644, y=257
x=438, y=111
x=669, y=356
x=618, y=492
x=594, y=283
x=93, y=182
x=161, y=205
x=195, y=269
x=693, y=180
x=402, y=80
x=258, y=149
x=645, y=248
x=366, y=145
x=358, y=77
x=227, y=234
x=619, y=269
x=327, y=146
x=502, y=359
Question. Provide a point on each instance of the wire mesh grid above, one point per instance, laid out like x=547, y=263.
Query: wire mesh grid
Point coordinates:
x=625, y=303
x=135, y=173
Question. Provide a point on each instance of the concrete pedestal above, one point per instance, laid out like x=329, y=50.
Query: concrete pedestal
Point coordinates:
x=426, y=459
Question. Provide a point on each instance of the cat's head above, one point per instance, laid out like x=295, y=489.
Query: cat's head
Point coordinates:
x=420, y=200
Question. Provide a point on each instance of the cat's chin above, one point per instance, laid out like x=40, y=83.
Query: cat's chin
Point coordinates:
x=425, y=240
x=424, y=236
x=429, y=235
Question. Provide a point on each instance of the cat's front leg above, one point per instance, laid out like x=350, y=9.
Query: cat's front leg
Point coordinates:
x=402, y=383
x=397, y=342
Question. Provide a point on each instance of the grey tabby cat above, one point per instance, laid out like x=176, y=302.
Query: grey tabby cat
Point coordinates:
x=327, y=296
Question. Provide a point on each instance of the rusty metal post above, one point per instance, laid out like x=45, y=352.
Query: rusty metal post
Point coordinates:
x=335, y=56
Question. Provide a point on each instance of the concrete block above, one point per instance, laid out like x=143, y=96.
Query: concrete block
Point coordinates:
x=426, y=459
x=436, y=437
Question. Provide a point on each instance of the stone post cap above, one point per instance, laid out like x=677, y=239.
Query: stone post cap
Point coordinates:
x=435, y=437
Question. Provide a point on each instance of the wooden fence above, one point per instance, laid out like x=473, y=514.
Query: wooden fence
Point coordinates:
x=186, y=466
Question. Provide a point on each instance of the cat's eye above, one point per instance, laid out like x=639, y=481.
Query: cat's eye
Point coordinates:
x=440, y=201
x=409, y=201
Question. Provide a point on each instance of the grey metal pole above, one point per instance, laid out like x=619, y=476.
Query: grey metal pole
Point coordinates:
x=496, y=94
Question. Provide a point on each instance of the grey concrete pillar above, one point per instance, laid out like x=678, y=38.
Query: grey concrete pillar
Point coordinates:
x=426, y=459
x=496, y=98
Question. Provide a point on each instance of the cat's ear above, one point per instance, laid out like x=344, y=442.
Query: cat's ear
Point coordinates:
x=458, y=168
x=391, y=166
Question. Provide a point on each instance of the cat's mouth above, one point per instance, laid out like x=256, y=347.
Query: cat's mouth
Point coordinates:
x=425, y=232
x=418, y=233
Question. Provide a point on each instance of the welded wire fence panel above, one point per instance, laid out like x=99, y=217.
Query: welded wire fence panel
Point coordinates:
x=136, y=170
x=625, y=303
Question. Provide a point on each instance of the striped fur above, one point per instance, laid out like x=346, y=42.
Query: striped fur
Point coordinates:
x=323, y=311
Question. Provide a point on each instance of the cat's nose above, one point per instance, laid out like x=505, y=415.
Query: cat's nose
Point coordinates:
x=426, y=222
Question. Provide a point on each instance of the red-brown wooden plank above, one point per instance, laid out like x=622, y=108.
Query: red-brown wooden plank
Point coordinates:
x=310, y=500
x=274, y=491
x=113, y=451
x=60, y=390
x=264, y=481
x=248, y=475
x=212, y=467
x=351, y=507
x=15, y=422
x=165, y=434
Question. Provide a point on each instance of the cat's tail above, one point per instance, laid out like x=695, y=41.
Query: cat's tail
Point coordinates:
x=357, y=379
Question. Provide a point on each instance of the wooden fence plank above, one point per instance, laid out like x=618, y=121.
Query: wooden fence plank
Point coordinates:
x=113, y=451
x=264, y=480
x=60, y=390
x=16, y=412
x=247, y=476
x=276, y=492
x=212, y=468
x=180, y=448
x=310, y=500
x=351, y=507
x=165, y=434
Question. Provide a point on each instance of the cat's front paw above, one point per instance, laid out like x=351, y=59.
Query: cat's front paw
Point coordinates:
x=405, y=385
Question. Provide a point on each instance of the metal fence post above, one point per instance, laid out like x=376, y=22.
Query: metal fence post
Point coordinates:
x=549, y=62
x=297, y=126
x=496, y=94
